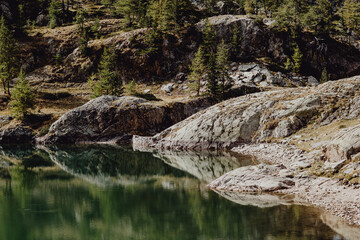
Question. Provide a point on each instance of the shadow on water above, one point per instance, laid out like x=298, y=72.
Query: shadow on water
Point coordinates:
x=136, y=195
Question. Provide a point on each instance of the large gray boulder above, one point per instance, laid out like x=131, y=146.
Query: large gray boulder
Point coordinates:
x=343, y=145
x=259, y=117
x=109, y=117
x=259, y=178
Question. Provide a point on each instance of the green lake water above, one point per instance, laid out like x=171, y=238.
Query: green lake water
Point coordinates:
x=102, y=192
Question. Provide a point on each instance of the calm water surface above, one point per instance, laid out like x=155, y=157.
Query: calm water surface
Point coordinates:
x=100, y=192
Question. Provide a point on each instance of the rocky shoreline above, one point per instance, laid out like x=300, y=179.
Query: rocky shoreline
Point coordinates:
x=286, y=176
x=306, y=140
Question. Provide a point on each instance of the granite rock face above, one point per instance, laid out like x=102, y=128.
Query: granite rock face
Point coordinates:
x=16, y=135
x=259, y=178
x=110, y=117
x=343, y=145
x=260, y=117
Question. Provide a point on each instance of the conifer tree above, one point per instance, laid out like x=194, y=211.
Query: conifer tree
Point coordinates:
x=324, y=76
x=222, y=68
x=109, y=82
x=23, y=98
x=235, y=41
x=350, y=15
x=209, y=40
x=197, y=68
x=95, y=29
x=8, y=56
x=212, y=84
x=129, y=9
x=54, y=13
x=83, y=42
x=297, y=59
x=320, y=17
x=80, y=20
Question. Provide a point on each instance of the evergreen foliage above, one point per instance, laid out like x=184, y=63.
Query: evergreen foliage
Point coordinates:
x=95, y=29
x=222, y=67
x=197, y=69
x=324, y=76
x=8, y=56
x=80, y=19
x=55, y=14
x=23, y=98
x=350, y=16
x=131, y=88
x=83, y=42
x=235, y=41
x=107, y=81
x=297, y=59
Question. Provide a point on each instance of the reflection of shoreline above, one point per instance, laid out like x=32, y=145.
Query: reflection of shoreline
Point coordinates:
x=206, y=166
x=99, y=180
x=107, y=171
x=266, y=200
x=340, y=226
x=263, y=200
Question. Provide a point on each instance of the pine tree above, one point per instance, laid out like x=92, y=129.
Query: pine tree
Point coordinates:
x=129, y=9
x=83, y=42
x=8, y=56
x=109, y=82
x=54, y=13
x=288, y=64
x=320, y=17
x=23, y=98
x=209, y=40
x=222, y=68
x=235, y=41
x=297, y=59
x=95, y=29
x=290, y=16
x=212, y=84
x=324, y=76
x=350, y=15
x=80, y=20
x=197, y=68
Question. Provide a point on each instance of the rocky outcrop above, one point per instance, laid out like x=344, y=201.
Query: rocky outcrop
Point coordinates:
x=110, y=117
x=173, y=54
x=343, y=145
x=16, y=135
x=260, y=117
x=258, y=74
x=259, y=178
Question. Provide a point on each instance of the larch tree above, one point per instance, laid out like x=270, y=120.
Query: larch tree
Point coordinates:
x=23, y=98
x=108, y=81
x=222, y=68
x=198, y=69
x=8, y=56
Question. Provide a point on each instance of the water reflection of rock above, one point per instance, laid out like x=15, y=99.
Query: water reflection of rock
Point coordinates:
x=262, y=200
x=341, y=227
x=108, y=165
x=206, y=166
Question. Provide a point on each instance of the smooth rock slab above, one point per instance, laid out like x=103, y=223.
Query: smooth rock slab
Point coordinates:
x=259, y=178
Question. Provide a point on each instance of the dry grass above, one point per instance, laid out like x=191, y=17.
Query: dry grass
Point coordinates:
x=313, y=134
